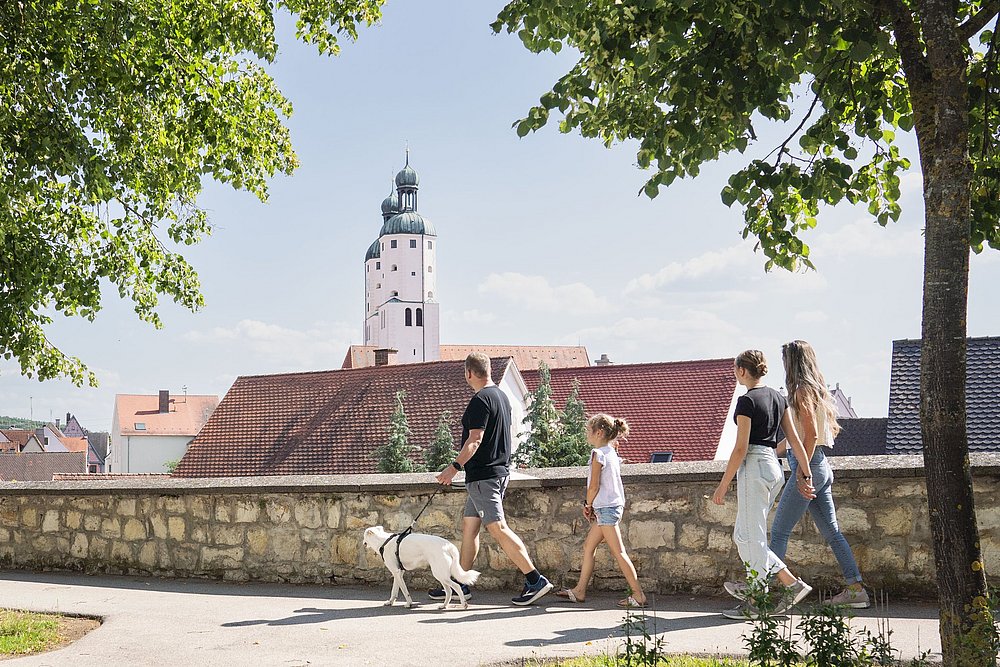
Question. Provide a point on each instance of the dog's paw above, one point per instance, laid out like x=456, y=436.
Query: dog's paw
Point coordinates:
x=409, y=605
x=442, y=606
x=388, y=603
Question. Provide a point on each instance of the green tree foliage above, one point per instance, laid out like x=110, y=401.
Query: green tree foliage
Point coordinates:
x=542, y=422
x=689, y=81
x=396, y=454
x=112, y=115
x=570, y=446
x=442, y=448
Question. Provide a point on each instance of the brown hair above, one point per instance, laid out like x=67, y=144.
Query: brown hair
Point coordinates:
x=478, y=364
x=609, y=426
x=753, y=361
x=805, y=383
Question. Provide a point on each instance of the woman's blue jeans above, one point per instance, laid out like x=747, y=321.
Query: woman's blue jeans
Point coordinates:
x=792, y=506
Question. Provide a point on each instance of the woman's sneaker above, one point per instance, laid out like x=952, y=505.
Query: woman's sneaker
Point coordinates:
x=747, y=612
x=852, y=598
x=438, y=593
x=792, y=595
x=533, y=592
x=738, y=589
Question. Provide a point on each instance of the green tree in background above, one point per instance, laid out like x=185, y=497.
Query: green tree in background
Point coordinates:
x=395, y=455
x=542, y=422
x=570, y=447
x=113, y=113
x=690, y=81
x=441, y=451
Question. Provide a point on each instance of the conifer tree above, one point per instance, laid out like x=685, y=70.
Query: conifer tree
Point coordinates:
x=442, y=449
x=542, y=422
x=394, y=456
x=570, y=448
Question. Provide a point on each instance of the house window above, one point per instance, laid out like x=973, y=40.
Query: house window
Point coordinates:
x=392, y=243
x=408, y=318
x=378, y=265
x=430, y=245
x=420, y=317
x=393, y=267
x=140, y=426
x=413, y=243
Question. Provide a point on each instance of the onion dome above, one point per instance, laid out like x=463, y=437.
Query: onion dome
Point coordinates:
x=374, y=252
x=407, y=177
x=409, y=222
x=390, y=205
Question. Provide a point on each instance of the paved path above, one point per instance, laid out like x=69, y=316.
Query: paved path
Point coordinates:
x=193, y=622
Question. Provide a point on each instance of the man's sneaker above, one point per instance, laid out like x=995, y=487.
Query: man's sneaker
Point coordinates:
x=533, y=592
x=438, y=593
x=747, y=612
x=792, y=595
x=851, y=598
x=738, y=589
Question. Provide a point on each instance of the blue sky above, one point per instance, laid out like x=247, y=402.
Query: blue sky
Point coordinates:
x=542, y=240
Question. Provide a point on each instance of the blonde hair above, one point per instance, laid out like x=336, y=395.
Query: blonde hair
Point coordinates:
x=478, y=364
x=805, y=383
x=610, y=427
x=753, y=361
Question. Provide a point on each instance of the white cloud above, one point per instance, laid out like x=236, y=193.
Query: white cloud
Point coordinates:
x=812, y=316
x=688, y=334
x=728, y=260
x=470, y=316
x=537, y=293
x=866, y=239
x=268, y=347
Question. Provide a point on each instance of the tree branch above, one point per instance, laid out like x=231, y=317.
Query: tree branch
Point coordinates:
x=915, y=66
x=978, y=21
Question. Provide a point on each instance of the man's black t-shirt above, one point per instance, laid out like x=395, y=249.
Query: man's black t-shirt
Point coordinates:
x=489, y=410
x=765, y=407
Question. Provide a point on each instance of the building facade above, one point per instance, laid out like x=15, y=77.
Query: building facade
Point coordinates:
x=401, y=308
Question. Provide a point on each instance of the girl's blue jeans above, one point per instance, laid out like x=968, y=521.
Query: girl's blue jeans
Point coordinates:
x=793, y=506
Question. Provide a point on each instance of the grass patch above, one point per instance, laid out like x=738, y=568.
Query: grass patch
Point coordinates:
x=22, y=632
x=616, y=661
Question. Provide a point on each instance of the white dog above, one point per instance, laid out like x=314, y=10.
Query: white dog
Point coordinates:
x=419, y=550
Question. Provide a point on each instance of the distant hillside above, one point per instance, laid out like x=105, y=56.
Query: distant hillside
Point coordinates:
x=18, y=422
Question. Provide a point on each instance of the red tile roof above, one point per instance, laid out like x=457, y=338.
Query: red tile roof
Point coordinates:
x=678, y=406
x=18, y=437
x=525, y=356
x=326, y=422
x=186, y=416
x=40, y=466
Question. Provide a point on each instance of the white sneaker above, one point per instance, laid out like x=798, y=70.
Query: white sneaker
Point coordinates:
x=852, y=598
x=738, y=589
x=792, y=595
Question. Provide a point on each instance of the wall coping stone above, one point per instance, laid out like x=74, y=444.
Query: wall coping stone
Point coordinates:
x=848, y=467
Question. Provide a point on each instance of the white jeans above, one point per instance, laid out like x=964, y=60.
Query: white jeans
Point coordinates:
x=758, y=484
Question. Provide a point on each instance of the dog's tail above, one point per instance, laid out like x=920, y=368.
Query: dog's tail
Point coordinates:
x=467, y=577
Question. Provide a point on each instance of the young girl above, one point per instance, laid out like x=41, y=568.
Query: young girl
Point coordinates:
x=603, y=508
x=815, y=420
x=759, y=478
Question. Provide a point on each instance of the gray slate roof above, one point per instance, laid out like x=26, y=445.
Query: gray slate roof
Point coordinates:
x=860, y=436
x=40, y=466
x=981, y=396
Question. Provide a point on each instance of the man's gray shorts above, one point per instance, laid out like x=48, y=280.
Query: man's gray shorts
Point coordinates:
x=486, y=499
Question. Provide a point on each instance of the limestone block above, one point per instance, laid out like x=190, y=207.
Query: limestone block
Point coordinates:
x=121, y=552
x=318, y=553
x=991, y=555
x=91, y=522
x=111, y=528
x=247, y=511
x=218, y=558
x=176, y=527
x=236, y=575
x=98, y=548
x=43, y=544
x=356, y=522
x=147, y=555
x=146, y=506
x=720, y=540
x=50, y=523
x=807, y=552
x=159, y=525
x=257, y=540
x=164, y=554
x=286, y=545
x=333, y=513
x=569, y=528
x=126, y=507
x=223, y=512
x=644, y=506
x=74, y=520
x=80, y=546
x=897, y=520
x=228, y=534
x=184, y=559
x=435, y=519
x=651, y=534
x=346, y=550
x=8, y=513
x=498, y=560
x=29, y=517
x=173, y=504
x=391, y=502
x=723, y=514
x=548, y=555
x=693, y=537
x=201, y=507
x=872, y=559
x=82, y=504
x=4, y=535
x=532, y=525
x=278, y=510
x=852, y=520
x=134, y=530
x=988, y=517
x=199, y=534
x=397, y=521
x=62, y=544
x=906, y=489
x=920, y=560
x=681, y=566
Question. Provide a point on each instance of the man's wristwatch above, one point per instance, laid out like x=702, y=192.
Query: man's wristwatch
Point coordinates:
x=456, y=465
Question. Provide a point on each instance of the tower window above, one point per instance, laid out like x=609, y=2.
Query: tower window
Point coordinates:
x=393, y=267
x=430, y=269
x=378, y=285
x=413, y=243
x=413, y=273
x=420, y=317
x=408, y=318
x=430, y=295
x=378, y=265
x=392, y=243
x=394, y=293
x=383, y=246
x=430, y=245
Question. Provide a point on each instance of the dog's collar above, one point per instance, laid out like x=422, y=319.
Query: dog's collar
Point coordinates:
x=399, y=538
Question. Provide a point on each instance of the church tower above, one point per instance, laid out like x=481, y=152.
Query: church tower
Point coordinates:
x=401, y=310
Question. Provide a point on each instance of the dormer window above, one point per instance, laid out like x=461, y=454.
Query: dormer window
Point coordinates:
x=140, y=426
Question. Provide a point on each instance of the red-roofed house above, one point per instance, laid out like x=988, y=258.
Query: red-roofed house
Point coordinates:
x=527, y=357
x=681, y=407
x=20, y=440
x=331, y=422
x=147, y=432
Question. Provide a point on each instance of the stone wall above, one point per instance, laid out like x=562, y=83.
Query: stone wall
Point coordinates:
x=308, y=529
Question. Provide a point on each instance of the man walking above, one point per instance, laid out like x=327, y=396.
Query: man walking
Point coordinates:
x=485, y=457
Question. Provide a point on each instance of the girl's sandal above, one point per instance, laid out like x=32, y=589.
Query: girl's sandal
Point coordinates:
x=568, y=594
x=631, y=603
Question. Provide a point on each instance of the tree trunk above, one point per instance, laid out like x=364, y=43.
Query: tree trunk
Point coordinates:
x=942, y=129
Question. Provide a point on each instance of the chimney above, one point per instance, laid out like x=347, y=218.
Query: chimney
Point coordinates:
x=603, y=361
x=385, y=357
x=57, y=422
x=164, y=401
x=68, y=415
